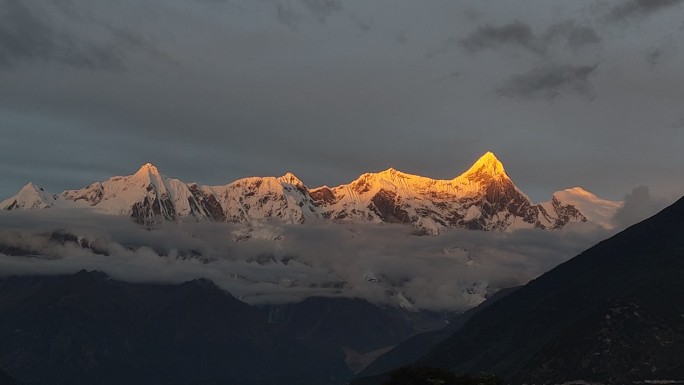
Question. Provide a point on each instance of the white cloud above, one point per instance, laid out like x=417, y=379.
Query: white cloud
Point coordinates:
x=377, y=262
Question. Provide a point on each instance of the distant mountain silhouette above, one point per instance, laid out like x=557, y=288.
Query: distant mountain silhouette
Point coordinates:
x=5, y=379
x=419, y=345
x=89, y=329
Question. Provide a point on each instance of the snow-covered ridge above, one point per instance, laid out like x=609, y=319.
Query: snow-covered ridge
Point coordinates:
x=595, y=209
x=482, y=198
x=29, y=197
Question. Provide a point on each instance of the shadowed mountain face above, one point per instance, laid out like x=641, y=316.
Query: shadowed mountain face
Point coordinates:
x=5, y=379
x=613, y=314
x=355, y=326
x=345, y=322
x=88, y=329
x=419, y=345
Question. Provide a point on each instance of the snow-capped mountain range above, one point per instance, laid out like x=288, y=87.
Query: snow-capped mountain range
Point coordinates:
x=482, y=198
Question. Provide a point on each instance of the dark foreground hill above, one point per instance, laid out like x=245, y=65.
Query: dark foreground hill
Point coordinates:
x=89, y=329
x=5, y=379
x=613, y=314
x=419, y=345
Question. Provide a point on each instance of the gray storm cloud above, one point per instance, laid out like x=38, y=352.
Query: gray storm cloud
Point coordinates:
x=515, y=33
x=566, y=33
x=639, y=205
x=550, y=82
x=630, y=9
x=30, y=33
x=571, y=34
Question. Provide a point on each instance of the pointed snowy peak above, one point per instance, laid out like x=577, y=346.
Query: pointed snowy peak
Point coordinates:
x=148, y=169
x=487, y=166
x=290, y=178
x=392, y=173
x=150, y=176
x=30, y=187
x=29, y=197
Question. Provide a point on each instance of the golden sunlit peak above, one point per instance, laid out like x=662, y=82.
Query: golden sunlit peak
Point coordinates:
x=488, y=164
x=290, y=178
x=581, y=192
x=390, y=170
x=393, y=173
x=148, y=168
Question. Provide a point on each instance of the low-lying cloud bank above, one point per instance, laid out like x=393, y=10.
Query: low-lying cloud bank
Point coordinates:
x=275, y=263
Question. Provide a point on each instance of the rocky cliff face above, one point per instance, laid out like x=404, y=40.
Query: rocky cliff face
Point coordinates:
x=482, y=198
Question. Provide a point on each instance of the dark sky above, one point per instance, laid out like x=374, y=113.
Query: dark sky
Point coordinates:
x=587, y=93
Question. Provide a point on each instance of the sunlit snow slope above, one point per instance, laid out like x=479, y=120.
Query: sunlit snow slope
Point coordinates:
x=482, y=198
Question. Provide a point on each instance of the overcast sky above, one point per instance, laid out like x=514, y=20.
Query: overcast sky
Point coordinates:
x=584, y=93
